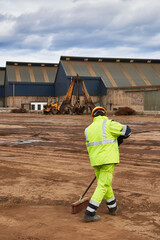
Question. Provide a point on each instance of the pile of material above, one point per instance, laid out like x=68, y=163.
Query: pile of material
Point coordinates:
x=125, y=111
x=19, y=110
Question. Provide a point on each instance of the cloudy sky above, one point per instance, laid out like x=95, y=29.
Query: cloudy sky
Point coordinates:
x=44, y=30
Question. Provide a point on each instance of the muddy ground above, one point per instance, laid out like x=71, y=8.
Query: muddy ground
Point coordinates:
x=44, y=167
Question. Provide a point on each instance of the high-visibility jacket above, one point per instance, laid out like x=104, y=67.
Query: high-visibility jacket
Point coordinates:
x=101, y=140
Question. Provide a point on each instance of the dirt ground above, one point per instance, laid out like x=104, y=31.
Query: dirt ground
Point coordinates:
x=44, y=167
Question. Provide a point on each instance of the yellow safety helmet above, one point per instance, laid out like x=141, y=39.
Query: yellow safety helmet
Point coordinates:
x=96, y=109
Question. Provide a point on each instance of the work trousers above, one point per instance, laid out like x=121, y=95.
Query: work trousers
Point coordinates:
x=104, y=175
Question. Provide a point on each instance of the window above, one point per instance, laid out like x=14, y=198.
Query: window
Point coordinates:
x=39, y=106
x=32, y=107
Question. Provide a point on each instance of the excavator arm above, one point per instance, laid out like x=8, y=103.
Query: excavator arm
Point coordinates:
x=87, y=97
x=68, y=97
x=66, y=106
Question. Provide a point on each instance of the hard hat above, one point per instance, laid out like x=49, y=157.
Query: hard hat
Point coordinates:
x=98, y=108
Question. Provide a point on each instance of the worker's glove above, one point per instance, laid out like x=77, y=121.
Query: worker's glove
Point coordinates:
x=120, y=140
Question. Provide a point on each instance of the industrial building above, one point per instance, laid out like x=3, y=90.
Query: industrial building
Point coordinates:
x=25, y=83
x=115, y=83
x=111, y=82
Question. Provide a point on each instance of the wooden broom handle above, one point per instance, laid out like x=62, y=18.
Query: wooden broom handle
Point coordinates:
x=88, y=188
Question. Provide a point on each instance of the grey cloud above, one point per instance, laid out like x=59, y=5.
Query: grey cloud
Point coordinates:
x=75, y=24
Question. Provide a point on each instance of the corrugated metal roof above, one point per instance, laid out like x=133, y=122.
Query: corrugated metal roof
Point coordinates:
x=38, y=74
x=130, y=69
x=31, y=73
x=150, y=74
x=100, y=72
x=24, y=74
x=11, y=74
x=115, y=72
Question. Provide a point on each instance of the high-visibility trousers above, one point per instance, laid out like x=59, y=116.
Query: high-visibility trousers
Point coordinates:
x=104, y=175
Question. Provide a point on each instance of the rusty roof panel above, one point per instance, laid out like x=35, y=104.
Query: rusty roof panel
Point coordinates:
x=24, y=74
x=11, y=74
x=137, y=79
x=118, y=76
x=38, y=74
x=99, y=71
x=66, y=68
x=81, y=69
x=150, y=74
x=31, y=73
x=157, y=67
x=51, y=72
x=115, y=72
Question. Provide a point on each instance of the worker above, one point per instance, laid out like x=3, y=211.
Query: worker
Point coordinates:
x=102, y=139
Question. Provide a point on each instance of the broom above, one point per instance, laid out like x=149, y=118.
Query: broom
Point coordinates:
x=82, y=202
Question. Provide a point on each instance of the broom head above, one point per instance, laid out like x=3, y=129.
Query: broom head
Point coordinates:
x=79, y=205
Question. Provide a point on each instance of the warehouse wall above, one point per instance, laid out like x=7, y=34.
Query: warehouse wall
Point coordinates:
x=95, y=86
x=61, y=83
x=131, y=97
x=137, y=99
x=152, y=100
x=117, y=98
x=23, y=93
x=28, y=89
x=2, y=95
x=2, y=99
x=18, y=101
x=2, y=91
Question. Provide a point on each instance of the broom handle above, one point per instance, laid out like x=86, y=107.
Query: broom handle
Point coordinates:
x=88, y=188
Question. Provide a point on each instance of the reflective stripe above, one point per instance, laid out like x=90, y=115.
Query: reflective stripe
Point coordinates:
x=124, y=130
x=104, y=130
x=94, y=203
x=101, y=142
x=104, y=141
x=90, y=209
x=112, y=206
x=110, y=200
x=86, y=134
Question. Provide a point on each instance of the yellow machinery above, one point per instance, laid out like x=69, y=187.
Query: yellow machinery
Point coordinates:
x=52, y=106
x=66, y=107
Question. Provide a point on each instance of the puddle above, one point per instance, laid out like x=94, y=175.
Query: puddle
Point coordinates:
x=26, y=141
x=22, y=141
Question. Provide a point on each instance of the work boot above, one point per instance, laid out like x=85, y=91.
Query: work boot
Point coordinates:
x=90, y=213
x=113, y=211
x=112, y=206
x=94, y=218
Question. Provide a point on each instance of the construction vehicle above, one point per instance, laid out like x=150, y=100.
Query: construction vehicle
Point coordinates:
x=66, y=107
x=52, y=106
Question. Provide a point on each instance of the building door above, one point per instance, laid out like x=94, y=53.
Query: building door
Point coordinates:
x=152, y=100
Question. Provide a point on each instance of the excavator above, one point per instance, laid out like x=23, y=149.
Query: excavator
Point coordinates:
x=66, y=107
x=52, y=106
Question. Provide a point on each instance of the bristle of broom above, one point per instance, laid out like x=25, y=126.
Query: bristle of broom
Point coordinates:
x=79, y=205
